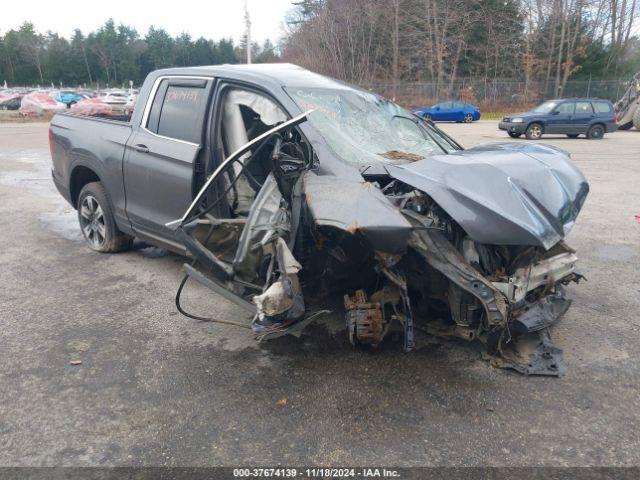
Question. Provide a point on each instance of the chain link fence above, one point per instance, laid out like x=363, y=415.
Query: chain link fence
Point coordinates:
x=496, y=94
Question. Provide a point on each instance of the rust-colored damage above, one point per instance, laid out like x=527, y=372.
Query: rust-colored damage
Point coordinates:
x=365, y=320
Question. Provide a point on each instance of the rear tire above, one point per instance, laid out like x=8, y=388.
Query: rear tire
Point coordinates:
x=572, y=135
x=534, y=131
x=636, y=118
x=468, y=118
x=596, y=132
x=427, y=116
x=626, y=126
x=97, y=222
x=514, y=134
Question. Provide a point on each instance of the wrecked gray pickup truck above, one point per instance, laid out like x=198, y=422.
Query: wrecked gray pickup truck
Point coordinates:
x=308, y=195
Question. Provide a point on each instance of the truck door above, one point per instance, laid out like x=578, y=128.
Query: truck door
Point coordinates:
x=560, y=119
x=162, y=155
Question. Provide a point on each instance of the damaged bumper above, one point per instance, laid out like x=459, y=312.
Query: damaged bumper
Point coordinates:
x=543, y=272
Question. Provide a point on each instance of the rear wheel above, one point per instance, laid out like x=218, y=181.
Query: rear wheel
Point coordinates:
x=514, y=134
x=596, y=132
x=534, y=131
x=97, y=222
x=427, y=116
x=636, y=118
x=468, y=118
x=572, y=135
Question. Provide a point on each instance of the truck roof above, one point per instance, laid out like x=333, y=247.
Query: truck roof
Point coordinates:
x=273, y=74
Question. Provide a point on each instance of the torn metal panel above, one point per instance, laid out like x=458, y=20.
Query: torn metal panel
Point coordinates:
x=543, y=272
x=356, y=207
x=544, y=358
x=542, y=314
x=442, y=256
x=192, y=209
x=266, y=219
x=283, y=296
x=503, y=194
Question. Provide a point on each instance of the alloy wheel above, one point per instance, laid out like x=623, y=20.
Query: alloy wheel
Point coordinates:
x=596, y=133
x=92, y=221
x=468, y=118
x=535, y=131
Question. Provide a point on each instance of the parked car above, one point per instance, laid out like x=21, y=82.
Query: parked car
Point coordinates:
x=118, y=97
x=450, y=111
x=294, y=192
x=569, y=116
x=38, y=103
x=11, y=102
x=68, y=97
x=92, y=106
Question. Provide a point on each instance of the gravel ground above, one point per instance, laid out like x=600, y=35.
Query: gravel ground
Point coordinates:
x=155, y=388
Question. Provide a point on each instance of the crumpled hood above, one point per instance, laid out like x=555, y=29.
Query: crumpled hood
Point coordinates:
x=503, y=194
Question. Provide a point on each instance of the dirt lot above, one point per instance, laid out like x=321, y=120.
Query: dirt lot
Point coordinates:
x=155, y=388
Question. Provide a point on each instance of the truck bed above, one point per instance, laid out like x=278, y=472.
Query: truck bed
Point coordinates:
x=82, y=143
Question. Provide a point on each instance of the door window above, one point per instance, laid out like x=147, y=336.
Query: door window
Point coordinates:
x=566, y=108
x=583, y=108
x=178, y=110
x=180, y=116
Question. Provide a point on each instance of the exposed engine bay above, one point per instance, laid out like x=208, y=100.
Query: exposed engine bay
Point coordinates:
x=453, y=245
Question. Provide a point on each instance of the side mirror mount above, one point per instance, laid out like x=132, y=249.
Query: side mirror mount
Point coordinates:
x=555, y=112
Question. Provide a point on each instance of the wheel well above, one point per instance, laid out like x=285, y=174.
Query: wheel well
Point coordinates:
x=598, y=124
x=80, y=176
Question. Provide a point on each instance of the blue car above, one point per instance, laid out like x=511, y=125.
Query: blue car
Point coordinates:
x=67, y=97
x=450, y=111
x=569, y=116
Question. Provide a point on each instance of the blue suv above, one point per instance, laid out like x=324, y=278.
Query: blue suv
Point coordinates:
x=571, y=116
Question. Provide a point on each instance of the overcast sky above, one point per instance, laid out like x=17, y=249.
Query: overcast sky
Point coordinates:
x=211, y=18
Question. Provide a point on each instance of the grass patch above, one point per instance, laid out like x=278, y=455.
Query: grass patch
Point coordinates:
x=12, y=116
x=492, y=115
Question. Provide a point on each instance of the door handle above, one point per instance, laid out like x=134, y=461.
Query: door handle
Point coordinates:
x=141, y=148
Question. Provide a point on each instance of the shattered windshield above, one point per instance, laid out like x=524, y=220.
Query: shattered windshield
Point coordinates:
x=364, y=128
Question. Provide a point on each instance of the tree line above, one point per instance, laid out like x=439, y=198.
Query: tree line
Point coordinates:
x=364, y=42
x=441, y=41
x=113, y=54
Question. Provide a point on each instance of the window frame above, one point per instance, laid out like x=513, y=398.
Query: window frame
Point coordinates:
x=609, y=110
x=155, y=90
x=572, y=102
x=587, y=102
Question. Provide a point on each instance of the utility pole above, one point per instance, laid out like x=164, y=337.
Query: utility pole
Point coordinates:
x=247, y=23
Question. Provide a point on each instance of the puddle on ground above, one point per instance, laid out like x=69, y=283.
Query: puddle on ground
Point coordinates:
x=35, y=176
